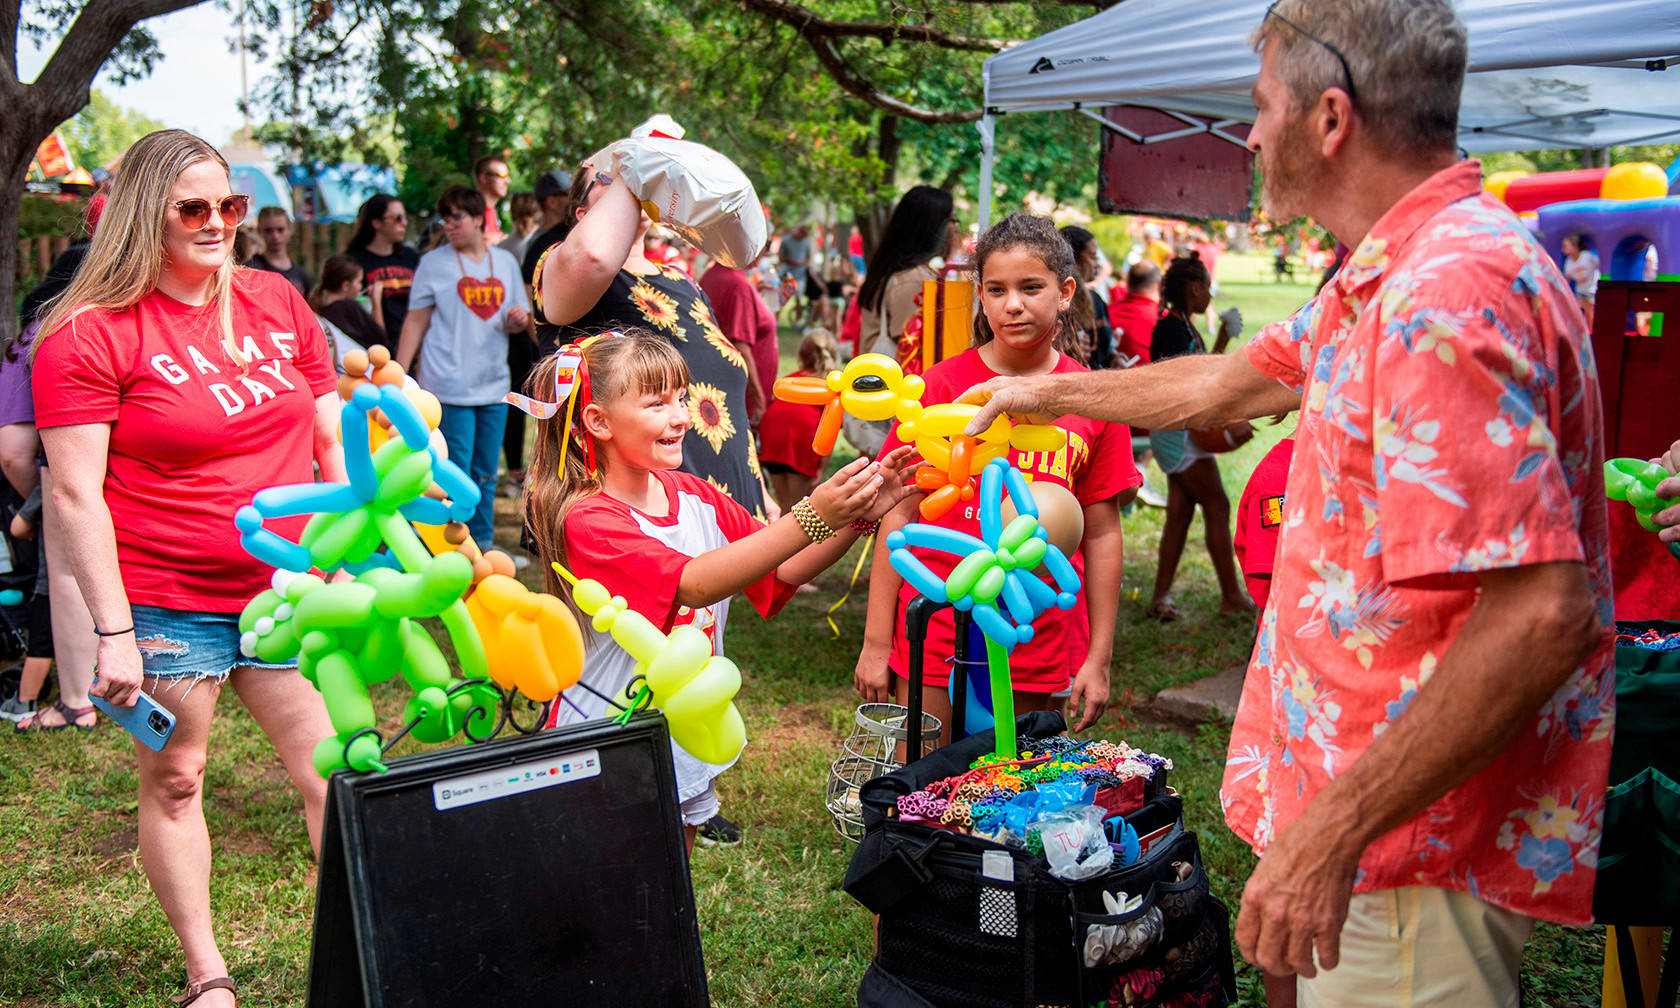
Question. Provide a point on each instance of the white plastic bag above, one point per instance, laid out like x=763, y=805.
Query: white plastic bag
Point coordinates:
x=1074, y=842
x=693, y=190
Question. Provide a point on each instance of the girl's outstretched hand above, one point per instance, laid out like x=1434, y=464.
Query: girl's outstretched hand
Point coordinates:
x=849, y=494
x=898, y=480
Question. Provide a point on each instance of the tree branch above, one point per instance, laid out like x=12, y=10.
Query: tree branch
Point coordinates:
x=810, y=25
x=63, y=84
x=820, y=35
x=9, y=21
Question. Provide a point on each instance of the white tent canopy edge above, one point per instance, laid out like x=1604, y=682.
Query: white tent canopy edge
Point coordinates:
x=1543, y=74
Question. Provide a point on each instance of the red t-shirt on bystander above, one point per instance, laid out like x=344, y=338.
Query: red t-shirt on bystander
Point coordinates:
x=1133, y=317
x=744, y=318
x=194, y=433
x=787, y=432
x=1260, y=519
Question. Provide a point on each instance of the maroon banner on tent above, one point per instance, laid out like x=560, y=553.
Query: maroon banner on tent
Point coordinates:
x=1197, y=175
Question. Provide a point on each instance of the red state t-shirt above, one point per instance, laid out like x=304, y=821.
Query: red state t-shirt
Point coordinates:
x=1096, y=464
x=1260, y=517
x=194, y=435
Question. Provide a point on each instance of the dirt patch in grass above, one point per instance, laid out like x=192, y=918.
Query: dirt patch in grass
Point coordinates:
x=797, y=728
x=118, y=845
x=244, y=842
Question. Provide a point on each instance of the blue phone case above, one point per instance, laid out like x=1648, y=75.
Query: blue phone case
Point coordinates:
x=147, y=720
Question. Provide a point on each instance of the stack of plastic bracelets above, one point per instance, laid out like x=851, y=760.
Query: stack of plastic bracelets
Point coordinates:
x=1651, y=640
x=1060, y=769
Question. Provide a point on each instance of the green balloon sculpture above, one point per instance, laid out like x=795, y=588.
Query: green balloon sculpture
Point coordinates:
x=1636, y=481
x=350, y=635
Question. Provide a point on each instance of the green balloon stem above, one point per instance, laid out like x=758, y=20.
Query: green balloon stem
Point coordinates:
x=1003, y=699
x=635, y=705
x=404, y=543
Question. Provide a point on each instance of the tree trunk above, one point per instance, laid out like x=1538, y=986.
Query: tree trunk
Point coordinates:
x=33, y=111
x=872, y=221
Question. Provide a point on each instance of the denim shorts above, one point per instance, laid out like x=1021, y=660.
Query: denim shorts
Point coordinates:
x=184, y=644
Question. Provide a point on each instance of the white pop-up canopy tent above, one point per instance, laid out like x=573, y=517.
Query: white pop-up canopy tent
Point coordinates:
x=1544, y=74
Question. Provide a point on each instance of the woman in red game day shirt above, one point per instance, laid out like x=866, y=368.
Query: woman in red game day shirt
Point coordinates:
x=170, y=387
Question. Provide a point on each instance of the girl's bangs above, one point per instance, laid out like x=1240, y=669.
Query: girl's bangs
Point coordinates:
x=654, y=366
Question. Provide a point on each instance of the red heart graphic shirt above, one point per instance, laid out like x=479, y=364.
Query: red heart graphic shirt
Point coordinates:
x=463, y=355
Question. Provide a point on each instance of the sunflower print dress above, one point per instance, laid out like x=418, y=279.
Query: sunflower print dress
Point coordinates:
x=718, y=448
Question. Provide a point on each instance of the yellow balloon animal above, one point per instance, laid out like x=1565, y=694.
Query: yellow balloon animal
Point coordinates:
x=531, y=639
x=695, y=688
x=870, y=387
x=953, y=457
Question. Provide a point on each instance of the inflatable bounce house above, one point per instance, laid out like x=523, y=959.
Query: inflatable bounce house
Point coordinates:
x=1625, y=213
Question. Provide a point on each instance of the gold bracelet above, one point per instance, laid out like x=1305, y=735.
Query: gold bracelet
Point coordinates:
x=811, y=522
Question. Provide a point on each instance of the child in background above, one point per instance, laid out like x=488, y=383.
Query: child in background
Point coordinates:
x=1260, y=516
x=1026, y=286
x=786, y=431
x=607, y=501
x=335, y=303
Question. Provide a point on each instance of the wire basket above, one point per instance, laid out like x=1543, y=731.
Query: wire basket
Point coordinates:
x=870, y=751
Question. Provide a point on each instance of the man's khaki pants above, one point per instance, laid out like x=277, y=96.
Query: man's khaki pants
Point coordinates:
x=1421, y=946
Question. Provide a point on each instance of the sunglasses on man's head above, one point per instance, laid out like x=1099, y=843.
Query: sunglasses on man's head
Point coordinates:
x=195, y=213
x=1353, y=96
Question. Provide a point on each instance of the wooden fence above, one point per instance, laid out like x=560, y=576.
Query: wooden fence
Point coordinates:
x=312, y=244
x=36, y=254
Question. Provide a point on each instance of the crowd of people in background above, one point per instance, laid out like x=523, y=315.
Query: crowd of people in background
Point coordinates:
x=398, y=282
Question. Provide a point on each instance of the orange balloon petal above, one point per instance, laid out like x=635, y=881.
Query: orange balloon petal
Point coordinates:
x=929, y=479
x=934, y=505
x=805, y=390
x=828, y=428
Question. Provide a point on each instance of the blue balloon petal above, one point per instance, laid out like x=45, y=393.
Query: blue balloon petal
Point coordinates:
x=404, y=417
x=911, y=569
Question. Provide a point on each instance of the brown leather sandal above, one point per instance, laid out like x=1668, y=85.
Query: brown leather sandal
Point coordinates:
x=194, y=991
x=69, y=715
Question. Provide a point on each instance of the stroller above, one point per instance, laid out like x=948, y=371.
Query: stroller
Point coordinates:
x=21, y=558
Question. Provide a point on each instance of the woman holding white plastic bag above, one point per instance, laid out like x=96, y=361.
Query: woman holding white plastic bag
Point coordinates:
x=598, y=280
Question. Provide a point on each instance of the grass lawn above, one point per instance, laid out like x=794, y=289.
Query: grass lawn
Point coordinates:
x=78, y=925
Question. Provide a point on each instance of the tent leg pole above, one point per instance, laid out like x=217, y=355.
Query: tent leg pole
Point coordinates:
x=986, y=126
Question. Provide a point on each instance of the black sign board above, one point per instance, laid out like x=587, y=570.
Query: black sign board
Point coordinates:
x=540, y=870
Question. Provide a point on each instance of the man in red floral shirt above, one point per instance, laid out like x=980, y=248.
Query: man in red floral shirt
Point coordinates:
x=1424, y=736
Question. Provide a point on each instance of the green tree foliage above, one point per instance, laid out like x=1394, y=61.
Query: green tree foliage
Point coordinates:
x=103, y=130
x=1566, y=160
x=820, y=103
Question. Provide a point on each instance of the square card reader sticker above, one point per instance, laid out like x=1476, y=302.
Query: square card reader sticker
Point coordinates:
x=513, y=780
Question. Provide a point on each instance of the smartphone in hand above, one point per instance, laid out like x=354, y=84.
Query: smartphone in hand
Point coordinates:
x=148, y=720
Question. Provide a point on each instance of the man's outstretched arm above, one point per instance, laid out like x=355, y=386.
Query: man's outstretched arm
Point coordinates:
x=1193, y=391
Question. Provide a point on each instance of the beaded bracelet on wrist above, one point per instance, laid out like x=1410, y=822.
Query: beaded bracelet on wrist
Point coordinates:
x=811, y=522
x=864, y=527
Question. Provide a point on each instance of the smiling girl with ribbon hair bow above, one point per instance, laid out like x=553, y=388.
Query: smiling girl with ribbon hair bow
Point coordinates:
x=606, y=500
